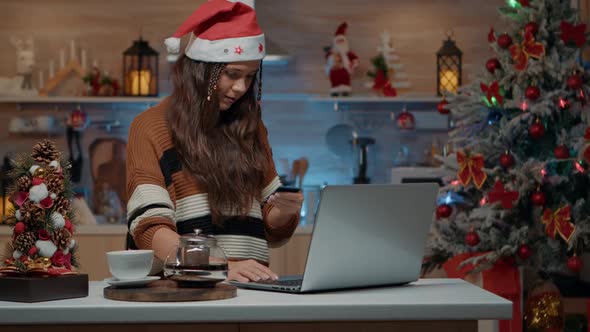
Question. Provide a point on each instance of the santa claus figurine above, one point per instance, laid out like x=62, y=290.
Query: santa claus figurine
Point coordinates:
x=340, y=63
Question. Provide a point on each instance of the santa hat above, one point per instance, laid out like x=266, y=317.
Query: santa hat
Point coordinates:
x=341, y=31
x=221, y=31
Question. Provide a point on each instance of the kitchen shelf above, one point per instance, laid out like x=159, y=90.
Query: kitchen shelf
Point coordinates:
x=267, y=97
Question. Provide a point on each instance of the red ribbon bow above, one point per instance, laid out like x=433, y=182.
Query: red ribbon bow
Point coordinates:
x=471, y=168
x=492, y=91
x=573, y=33
x=528, y=48
x=500, y=194
x=559, y=222
x=383, y=85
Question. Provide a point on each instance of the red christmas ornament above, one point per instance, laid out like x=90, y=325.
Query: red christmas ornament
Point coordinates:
x=575, y=264
x=537, y=130
x=406, y=121
x=524, y=3
x=19, y=228
x=504, y=41
x=531, y=27
x=441, y=107
x=506, y=160
x=472, y=239
x=574, y=82
x=538, y=198
x=492, y=65
x=532, y=92
x=561, y=152
x=443, y=211
x=524, y=252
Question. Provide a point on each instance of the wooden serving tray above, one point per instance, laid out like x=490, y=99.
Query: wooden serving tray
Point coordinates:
x=168, y=291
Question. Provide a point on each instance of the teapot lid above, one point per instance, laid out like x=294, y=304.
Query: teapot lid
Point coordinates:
x=197, y=238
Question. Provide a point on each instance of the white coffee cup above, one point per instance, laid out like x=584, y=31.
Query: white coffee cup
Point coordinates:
x=130, y=264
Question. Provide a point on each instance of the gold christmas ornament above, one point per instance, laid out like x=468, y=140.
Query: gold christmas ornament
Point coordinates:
x=544, y=308
x=40, y=172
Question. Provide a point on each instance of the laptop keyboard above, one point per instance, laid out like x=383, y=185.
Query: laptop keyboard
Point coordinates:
x=290, y=282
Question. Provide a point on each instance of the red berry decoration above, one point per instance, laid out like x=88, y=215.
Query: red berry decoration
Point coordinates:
x=538, y=198
x=575, y=264
x=561, y=152
x=443, y=211
x=574, y=82
x=524, y=252
x=532, y=93
x=504, y=41
x=537, y=130
x=506, y=160
x=531, y=27
x=19, y=228
x=441, y=107
x=492, y=65
x=472, y=239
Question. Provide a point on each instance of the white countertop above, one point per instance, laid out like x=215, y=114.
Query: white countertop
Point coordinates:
x=426, y=299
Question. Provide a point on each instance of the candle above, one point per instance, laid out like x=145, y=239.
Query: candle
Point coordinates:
x=41, y=81
x=449, y=79
x=62, y=58
x=51, y=69
x=83, y=59
x=72, y=50
x=140, y=82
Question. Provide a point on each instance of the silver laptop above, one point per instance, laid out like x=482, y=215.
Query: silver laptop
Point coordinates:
x=364, y=235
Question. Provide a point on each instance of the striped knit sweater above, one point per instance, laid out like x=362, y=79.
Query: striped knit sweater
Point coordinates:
x=163, y=194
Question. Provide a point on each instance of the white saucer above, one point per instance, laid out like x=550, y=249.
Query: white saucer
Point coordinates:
x=129, y=283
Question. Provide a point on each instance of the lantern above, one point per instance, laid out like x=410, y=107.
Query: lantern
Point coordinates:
x=448, y=67
x=140, y=70
x=5, y=183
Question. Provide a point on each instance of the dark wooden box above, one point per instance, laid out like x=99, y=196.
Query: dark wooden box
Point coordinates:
x=37, y=289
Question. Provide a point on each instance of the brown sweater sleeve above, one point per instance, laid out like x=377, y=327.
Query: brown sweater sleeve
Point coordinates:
x=276, y=236
x=149, y=204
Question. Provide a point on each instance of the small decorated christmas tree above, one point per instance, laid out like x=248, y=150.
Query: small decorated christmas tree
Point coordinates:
x=388, y=74
x=42, y=241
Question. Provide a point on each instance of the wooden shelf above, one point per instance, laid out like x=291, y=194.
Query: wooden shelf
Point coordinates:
x=76, y=100
x=267, y=97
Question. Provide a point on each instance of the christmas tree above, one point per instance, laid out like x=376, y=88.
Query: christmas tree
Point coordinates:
x=42, y=241
x=522, y=142
x=388, y=74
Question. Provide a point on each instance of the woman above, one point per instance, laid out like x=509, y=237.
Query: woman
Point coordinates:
x=201, y=158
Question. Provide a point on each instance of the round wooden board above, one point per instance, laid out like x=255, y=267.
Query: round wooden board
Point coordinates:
x=168, y=291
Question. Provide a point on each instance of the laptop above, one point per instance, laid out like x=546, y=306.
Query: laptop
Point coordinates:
x=364, y=236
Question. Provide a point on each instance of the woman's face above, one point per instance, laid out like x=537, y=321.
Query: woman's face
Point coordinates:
x=235, y=79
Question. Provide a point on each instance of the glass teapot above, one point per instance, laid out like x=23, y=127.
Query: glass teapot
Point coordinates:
x=197, y=258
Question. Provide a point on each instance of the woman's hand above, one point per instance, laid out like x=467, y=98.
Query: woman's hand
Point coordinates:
x=285, y=205
x=249, y=270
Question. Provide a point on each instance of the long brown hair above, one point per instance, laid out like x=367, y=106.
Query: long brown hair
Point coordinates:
x=221, y=149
